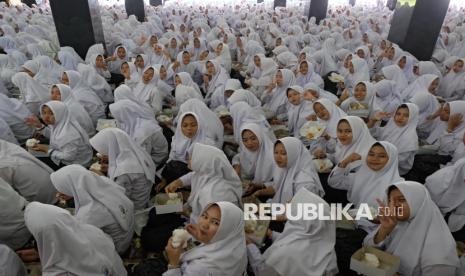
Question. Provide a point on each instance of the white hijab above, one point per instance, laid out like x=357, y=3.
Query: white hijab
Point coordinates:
x=394, y=73
x=226, y=253
x=10, y=263
x=124, y=92
x=55, y=231
x=368, y=185
x=297, y=114
x=291, y=253
x=361, y=139
x=278, y=102
x=90, y=193
x=139, y=125
x=124, y=155
x=452, y=82
x=31, y=90
x=214, y=179
x=242, y=113
x=186, y=79
x=243, y=95
x=96, y=82
x=299, y=162
x=424, y=240
x=259, y=163
x=387, y=95
x=218, y=79
x=184, y=93
x=335, y=114
x=405, y=138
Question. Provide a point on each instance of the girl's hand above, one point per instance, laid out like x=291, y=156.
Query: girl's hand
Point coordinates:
x=349, y=159
x=173, y=186
x=40, y=147
x=28, y=255
x=33, y=121
x=173, y=254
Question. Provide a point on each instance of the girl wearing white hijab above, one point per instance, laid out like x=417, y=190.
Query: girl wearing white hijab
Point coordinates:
x=213, y=126
x=49, y=71
x=184, y=93
x=62, y=92
x=55, y=230
x=223, y=55
x=96, y=82
x=388, y=98
x=370, y=181
x=299, y=110
x=353, y=142
x=6, y=133
x=261, y=70
x=453, y=83
x=221, y=94
x=183, y=64
x=301, y=236
x=146, y=91
x=242, y=113
x=85, y=95
x=212, y=179
x=10, y=263
x=243, y=95
x=14, y=113
x=99, y=202
x=313, y=92
x=185, y=79
x=114, y=62
x=425, y=83
x=26, y=174
x=394, y=73
x=217, y=77
x=69, y=143
x=256, y=149
x=274, y=98
x=401, y=130
x=142, y=128
x=99, y=65
x=418, y=235
x=13, y=231
x=358, y=72
x=306, y=75
x=220, y=229
x=124, y=92
x=158, y=56
x=33, y=94
x=129, y=165
x=165, y=80
x=293, y=170
x=427, y=105
x=131, y=75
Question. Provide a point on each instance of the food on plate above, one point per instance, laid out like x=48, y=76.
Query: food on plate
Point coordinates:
x=371, y=260
x=180, y=238
x=250, y=226
x=96, y=166
x=30, y=143
x=173, y=198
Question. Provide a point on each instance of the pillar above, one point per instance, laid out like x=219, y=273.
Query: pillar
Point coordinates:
x=156, y=2
x=78, y=23
x=352, y=2
x=29, y=3
x=135, y=7
x=416, y=29
x=279, y=3
x=318, y=9
x=391, y=4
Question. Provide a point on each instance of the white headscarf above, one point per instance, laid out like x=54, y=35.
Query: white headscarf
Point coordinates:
x=186, y=79
x=124, y=155
x=218, y=79
x=226, y=252
x=368, y=185
x=214, y=179
x=394, y=73
x=55, y=230
x=405, y=138
x=184, y=93
x=10, y=263
x=278, y=101
x=96, y=82
x=361, y=139
x=242, y=113
x=452, y=83
x=259, y=163
x=124, y=92
x=310, y=77
x=387, y=95
x=297, y=114
x=49, y=71
x=291, y=253
x=335, y=114
x=139, y=125
x=90, y=193
x=320, y=92
x=352, y=105
x=299, y=162
x=424, y=240
x=31, y=90
x=243, y=95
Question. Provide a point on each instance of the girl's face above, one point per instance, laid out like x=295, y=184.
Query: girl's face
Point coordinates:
x=186, y=58
x=163, y=73
x=196, y=43
x=55, y=94
x=158, y=49
x=125, y=67
x=344, y=133
x=65, y=79
x=189, y=126
x=219, y=49
x=347, y=61
x=278, y=42
x=121, y=53
x=279, y=78
x=47, y=115
x=153, y=40
x=211, y=69
x=402, y=62
x=433, y=86
x=383, y=44
x=257, y=61
x=304, y=68
x=360, y=92
x=321, y=112
x=139, y=62
x=351, y=67
x=177, y=80
x=148, y=75
x=401, y=116
x=311, y=93
x=458, y=66
x=227, y=125
x=302, y=56
x=398, y=202
x=377, y=158
x=293, y=97
x=173, y=43
x=416, y=70
x=29, y=72
x=208, y=224
x=99, y=61
x=391, y=53
x=280, y=155
x=250, y=140
x=360, y=53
